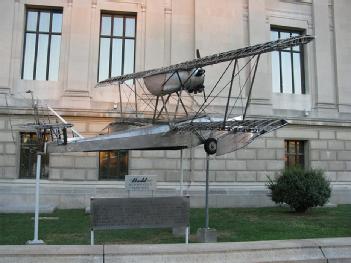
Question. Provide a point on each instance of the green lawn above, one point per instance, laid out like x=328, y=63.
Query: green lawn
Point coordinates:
x=232, y=224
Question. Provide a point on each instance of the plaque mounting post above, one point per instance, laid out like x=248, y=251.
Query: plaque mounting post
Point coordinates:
x=181, y=173
x=92, y=237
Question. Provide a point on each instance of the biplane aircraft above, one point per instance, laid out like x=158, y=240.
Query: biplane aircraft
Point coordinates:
x=177, y=101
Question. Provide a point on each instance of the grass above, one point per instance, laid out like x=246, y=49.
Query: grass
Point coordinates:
x=232, y=224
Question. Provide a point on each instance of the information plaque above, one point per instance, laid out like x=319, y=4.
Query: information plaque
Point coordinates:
x=142, y=183
x=153, y=212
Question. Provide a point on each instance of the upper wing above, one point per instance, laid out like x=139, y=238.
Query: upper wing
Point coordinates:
x=217, y=58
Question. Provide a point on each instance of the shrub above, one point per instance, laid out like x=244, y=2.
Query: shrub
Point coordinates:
x=300, y=189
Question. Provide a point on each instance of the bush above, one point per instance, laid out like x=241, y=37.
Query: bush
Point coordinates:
x=300, y=189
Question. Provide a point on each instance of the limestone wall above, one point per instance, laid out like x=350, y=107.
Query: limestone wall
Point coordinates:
x=170, y=31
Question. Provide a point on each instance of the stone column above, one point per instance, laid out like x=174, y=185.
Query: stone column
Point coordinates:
x=168, y=33
x=76, y=91
x=154, y=37
x=9, y=14
x=342, y=25
x=325, y=91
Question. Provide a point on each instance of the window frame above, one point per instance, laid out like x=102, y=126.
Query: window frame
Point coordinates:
x=120, y=173
x=34, y=147
x=37, y=32
x=291, y=30
x=297, y=154
x=124, y=15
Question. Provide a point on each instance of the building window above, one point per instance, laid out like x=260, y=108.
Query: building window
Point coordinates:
x=28, y=156
x=287, y=64
x=117, y=45
x=113, y=165
x=294, y=153
x=42, y=41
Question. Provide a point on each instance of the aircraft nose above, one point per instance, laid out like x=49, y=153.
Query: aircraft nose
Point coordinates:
x=199, y=72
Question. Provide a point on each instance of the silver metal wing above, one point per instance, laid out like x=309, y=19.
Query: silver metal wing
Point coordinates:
x=216, y=58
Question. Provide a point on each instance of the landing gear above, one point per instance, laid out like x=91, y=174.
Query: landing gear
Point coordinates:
x=210, y=146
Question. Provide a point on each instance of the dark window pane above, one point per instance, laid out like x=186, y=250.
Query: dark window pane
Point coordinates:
x=286, y=72
x=130, y=27
x=106, y=25
x=113, y=164
x=128, y=56
x=289, y=71
x=294, y=153
x=116, y=57
x=275, y=71
x=54, y=57
x=38, y=49
x=301, y=148
x=42, y=56
x=28, y=157
x=274, y=35
x=120, y=59
x=292, y=147
x=296, y=48
x=44, y=22
x=104, y=58
x=118, y=26
x=32, y=17
x=301, y=161
x=291, y=160
x=56, y=22
x=284, y=35
x=297, y=73
x=29, y=54
x=124, y=163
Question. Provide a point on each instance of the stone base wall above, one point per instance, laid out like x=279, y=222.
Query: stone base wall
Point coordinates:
x=18, y=195
x=327, y=147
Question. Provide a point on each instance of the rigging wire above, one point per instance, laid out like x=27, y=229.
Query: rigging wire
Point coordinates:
x=214, y=97
x=242, y=88
x=206, y=98
x=10, y=118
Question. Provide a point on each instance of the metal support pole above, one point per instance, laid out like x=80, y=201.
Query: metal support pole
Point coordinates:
x=37, y=187
x=36, y=241
x=187, y=235
x=120, y=98
x=181, y=173
x=206, y=200
x=91, y=237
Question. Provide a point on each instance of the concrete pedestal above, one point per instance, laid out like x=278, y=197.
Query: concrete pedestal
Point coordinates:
x=35, y=242
x=206, y=235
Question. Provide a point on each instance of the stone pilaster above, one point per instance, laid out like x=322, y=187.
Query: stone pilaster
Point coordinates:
x=325, y=94
x=259, y=28
x=342, y=25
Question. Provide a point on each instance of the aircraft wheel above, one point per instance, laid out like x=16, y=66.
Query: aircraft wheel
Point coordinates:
x=210, y=146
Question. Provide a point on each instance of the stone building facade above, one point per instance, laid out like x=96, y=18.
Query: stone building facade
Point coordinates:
x=168, y=32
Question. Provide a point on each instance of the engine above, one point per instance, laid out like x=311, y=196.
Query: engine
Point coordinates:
x=166, y=83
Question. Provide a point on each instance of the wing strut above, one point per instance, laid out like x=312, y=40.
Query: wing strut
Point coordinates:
x=120, y=98
x=154, y=117
x=229, y=94
x=251, y=85
x=181, y=101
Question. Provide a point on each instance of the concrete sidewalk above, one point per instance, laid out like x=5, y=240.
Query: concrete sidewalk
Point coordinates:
x=330, y=250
